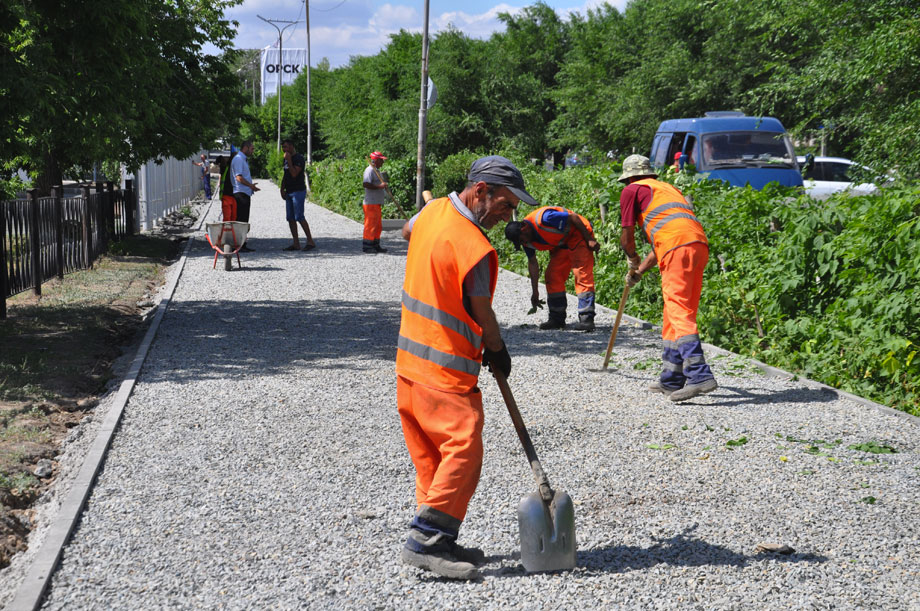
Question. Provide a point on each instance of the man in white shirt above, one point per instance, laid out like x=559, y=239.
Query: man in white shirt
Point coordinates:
x=243, y=187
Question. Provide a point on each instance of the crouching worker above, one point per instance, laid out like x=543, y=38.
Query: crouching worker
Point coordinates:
x=570, y=239
x=448, y=329
x=680, y=250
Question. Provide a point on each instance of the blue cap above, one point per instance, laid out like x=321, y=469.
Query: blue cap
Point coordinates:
x=498, y=170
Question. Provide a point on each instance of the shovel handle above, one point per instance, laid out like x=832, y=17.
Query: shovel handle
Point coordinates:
x=387, y=188
x=546, y=492
x=616, y=325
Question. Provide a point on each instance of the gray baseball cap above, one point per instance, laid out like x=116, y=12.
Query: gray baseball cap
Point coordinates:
x=498, y=170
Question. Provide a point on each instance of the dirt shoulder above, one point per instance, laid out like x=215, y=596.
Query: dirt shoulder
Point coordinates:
x=56, y=357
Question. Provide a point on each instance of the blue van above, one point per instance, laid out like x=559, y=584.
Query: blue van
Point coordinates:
x=729, y=146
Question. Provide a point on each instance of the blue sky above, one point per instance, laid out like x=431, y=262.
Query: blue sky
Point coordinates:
x=340, y=29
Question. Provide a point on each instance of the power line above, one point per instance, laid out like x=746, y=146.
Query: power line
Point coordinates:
x=299, y=13
x=331, y=9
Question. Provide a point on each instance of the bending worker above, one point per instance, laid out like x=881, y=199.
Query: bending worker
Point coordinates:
x=448, y=327
x=680, y=249
x=570, y=239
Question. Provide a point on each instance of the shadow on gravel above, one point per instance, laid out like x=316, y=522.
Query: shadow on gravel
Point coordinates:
x=236, y=339
x=679, y=550
x=791, y=395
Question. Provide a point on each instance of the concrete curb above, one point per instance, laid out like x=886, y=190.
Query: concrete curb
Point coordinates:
x=32, y=589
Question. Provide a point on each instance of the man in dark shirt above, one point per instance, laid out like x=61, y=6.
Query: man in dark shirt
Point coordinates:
x=294, y=192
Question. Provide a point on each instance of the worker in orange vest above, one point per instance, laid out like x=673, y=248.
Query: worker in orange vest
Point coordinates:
x=680, y=249
x=448, y=328
x=570, y=239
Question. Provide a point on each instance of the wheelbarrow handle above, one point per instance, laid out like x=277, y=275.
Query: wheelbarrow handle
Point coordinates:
x=546, y=492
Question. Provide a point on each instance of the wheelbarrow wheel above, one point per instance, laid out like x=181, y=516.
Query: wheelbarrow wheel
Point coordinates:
x=228, y=257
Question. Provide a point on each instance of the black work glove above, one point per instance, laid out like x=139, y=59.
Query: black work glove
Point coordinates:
x=500, y=359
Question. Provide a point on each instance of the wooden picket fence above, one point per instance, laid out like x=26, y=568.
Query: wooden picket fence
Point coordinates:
x=46, y=237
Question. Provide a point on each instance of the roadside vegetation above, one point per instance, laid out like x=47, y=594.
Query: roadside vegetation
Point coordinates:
x=830, y=290
x=58, y=351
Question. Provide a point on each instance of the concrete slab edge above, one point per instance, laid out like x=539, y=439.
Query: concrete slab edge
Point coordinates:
x=31, y=591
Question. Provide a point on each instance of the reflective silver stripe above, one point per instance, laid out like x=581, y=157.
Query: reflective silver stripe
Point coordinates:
x=668, y=219
x=451, y=361
x=672, y=366
x=669, y=344
x=686, y=339
x=662, y=209
x=442, y=318
x=694, y=360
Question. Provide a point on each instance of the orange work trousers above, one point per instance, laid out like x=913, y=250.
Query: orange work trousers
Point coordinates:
x=579, y=260
x=373, y=225
x=443, y=432
x=228, y=206
x=681, y=286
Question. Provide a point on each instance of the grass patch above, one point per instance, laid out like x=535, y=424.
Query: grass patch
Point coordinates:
x=56, y=354
x=873, y=448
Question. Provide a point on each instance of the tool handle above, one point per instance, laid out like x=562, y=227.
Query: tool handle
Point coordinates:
x=542, y=481
x=616, y=325
x=387, y=188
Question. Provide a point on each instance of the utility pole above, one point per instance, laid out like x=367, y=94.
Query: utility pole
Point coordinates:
x=309, y=123
x=422, y=120
x=272, y=22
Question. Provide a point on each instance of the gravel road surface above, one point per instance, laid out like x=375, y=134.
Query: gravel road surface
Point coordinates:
x=260, y=462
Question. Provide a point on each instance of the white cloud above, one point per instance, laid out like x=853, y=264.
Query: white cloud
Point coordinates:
x=474, y=26
x=393, y=18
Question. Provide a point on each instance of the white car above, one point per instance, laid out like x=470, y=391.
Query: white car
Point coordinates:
x=831, y=175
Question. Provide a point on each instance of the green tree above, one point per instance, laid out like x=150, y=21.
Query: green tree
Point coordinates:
x=128, y=83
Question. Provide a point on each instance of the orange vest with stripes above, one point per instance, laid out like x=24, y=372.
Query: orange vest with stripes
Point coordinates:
x=551, y=235
x=668, y=221
x=440, y=345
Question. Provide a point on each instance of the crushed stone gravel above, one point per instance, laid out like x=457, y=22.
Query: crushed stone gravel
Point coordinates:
x=260, y=462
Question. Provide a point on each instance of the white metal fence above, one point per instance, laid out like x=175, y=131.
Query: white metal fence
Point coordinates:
x=165, y=187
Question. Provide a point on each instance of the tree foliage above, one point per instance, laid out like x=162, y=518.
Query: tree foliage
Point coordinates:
x=128, y=83
x=605, y=79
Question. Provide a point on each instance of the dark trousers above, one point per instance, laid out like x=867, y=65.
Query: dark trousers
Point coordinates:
x=242, y=207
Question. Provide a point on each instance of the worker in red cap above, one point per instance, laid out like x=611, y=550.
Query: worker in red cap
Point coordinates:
x=374, y=198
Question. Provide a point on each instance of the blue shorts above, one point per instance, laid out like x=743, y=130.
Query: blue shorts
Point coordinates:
x=294, y=202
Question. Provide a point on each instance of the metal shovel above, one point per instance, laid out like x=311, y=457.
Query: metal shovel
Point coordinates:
x=546, y=518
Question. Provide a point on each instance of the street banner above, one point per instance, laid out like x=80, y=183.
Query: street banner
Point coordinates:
x=289, y=68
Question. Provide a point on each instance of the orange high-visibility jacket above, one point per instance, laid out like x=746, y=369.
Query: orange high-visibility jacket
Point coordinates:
x=440, y=345
x=668, y=221
x=552, y=235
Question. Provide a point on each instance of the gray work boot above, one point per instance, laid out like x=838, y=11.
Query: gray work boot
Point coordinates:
x=585, y=323
x=473, y=555
x=657, y=387
x=437, y=554
x=553, y=323
x=694, y=390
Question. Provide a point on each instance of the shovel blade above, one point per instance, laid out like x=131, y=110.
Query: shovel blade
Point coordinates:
x=547, y=533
